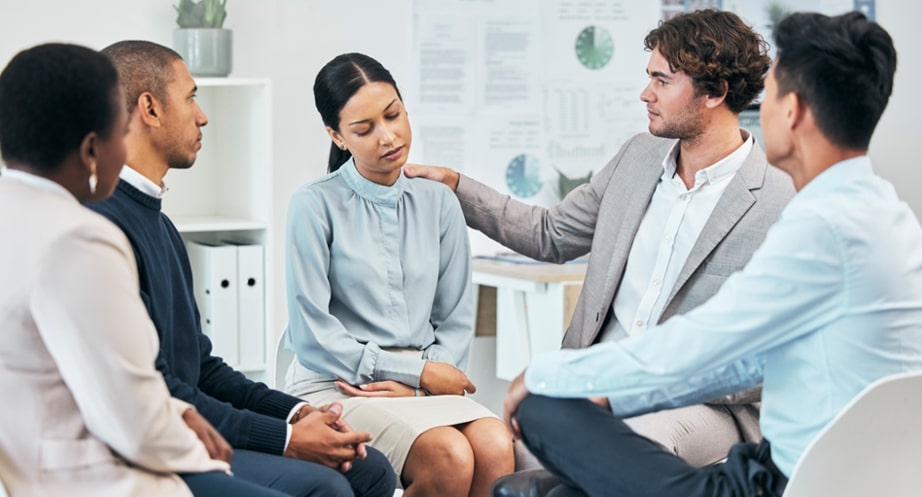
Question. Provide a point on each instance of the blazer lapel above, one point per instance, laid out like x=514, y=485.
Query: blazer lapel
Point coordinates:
x=643, y=174
x=733, y=204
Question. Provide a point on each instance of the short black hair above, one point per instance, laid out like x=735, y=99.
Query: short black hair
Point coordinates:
x=841, y=67
x=143, y=66
x=51, y=97
x=337, y=81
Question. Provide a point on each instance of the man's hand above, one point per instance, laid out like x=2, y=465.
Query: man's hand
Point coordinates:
x=441, y=378
x=377, y=389
x=217, y=447
x=323, y=437
x=601, y=401
x=514, y=396
x=444, y=175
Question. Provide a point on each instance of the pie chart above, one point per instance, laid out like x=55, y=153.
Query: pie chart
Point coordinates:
x=594, y=47
x=523, y=176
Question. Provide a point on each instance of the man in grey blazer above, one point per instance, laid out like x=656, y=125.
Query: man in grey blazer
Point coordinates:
x=667, y=220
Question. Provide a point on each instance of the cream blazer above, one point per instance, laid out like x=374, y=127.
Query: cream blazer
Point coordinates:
x=85, y=411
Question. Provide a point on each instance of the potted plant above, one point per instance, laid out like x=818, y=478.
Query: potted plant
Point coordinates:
x=201, y=39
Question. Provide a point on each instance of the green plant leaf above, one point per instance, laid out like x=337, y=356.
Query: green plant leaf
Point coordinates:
x=201, y=13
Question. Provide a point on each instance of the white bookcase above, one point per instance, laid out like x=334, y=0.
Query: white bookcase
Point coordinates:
x=227, y=194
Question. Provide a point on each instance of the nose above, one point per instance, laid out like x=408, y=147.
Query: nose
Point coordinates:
x=200, y=118
x=647, y=94
x=387, y=135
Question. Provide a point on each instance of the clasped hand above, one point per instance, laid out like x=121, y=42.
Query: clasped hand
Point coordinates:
x=437, y=378
x=323, y=437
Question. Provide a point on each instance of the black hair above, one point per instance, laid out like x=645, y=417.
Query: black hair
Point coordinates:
x=841, y=67
x=713, y=47
x=336, y=83
x=143, y=66
x=51, y=97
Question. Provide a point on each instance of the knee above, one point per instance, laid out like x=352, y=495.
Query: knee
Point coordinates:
x=491, y=441
x=326, y=482
x=537, y=413
x=444, y=449
x=373, y=476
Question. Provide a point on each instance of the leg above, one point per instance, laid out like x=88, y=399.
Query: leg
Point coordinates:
x=372, y=476
x=634, y=466
x=217, y=484
x=701, y=434
x=290, y=476
x=491, y=443
x=441, y=463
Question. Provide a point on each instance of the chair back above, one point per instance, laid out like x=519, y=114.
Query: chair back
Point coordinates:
x=283, y=358
x=873, y=447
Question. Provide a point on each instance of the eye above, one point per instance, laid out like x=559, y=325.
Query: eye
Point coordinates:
x=391, y=117
x=363, y=132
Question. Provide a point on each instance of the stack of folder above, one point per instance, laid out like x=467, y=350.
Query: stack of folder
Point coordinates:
x=230, y=292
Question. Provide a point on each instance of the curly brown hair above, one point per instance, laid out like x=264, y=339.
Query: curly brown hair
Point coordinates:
x=713, y=47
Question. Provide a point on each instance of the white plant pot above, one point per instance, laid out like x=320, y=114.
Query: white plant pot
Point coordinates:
x=207, y=51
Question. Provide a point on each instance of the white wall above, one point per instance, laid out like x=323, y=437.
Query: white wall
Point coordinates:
x=289, y=40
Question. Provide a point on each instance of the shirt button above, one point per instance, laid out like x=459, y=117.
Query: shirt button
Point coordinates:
x=655, y=281
x=668, y=238
x=542, y=385
x=640, y=323
x=588, y=385
x=683, y=196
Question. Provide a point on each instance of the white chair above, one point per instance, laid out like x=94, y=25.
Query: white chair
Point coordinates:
x=873, y=447
x=283, y=358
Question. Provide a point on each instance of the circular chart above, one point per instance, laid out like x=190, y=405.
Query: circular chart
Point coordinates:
x=523, y=176
x=594, y=47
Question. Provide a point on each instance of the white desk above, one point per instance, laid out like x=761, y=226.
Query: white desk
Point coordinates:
x=532, y=310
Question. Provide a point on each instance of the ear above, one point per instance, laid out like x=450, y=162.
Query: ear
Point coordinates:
x=795, y=110
x=87, y=165
x=335, y=136
x=714, y=102
x=88, y=149
x=149, y=109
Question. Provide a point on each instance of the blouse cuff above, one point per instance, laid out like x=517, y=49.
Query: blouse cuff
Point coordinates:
x=403, y=368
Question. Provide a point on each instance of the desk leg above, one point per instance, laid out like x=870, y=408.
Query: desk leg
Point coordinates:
x=546, y=316
x=512, y=342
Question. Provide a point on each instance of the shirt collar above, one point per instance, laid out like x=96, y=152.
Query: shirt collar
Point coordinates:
x=716, y=172
x=36, y=181
x=369, y=190
x=142, y=183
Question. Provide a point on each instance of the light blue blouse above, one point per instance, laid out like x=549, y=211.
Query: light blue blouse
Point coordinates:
x=370, y=267
x=831, y=302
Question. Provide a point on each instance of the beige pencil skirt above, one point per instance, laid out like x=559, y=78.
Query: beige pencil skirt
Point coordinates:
x=394, y=423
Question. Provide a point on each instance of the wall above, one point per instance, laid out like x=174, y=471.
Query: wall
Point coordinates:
x=289, y=40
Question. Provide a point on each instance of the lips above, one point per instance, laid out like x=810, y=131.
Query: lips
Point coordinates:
x=393, y=153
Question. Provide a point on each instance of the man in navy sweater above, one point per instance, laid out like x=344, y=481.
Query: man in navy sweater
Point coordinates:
x=279, y=441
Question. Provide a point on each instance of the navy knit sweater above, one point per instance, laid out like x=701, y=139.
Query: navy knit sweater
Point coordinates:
x=249, y=415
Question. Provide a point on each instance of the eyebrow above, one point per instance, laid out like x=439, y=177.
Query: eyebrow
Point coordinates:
x=659, y=74
x=360, y=121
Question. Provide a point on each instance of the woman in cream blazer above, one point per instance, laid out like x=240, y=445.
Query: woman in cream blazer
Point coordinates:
x=85, y=411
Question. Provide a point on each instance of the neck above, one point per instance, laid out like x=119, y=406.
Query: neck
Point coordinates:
x=144, y=158
x=720, y=139
x=813, y=155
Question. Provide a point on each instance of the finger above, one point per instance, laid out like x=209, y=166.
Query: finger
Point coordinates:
x=348, y=389
x=469, y=387
x=353, y=438
x=345, y=466
x=514, y=425
x=360, y=451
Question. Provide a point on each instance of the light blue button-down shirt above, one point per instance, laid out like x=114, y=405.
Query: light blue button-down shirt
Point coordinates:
x=831, y=302
x=370, y=267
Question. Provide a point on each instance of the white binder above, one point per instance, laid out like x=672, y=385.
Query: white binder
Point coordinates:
x=251, y=312
x=214, y=273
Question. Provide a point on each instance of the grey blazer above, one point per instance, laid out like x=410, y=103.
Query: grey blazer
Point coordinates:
x=604, y=215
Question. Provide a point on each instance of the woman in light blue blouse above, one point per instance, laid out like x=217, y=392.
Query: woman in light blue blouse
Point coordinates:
x=380, y=306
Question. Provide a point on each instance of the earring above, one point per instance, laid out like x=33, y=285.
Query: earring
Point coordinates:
x=342, y=146
x=92, y=178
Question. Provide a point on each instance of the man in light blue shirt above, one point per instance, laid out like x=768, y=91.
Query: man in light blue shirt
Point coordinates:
x=831, y=302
